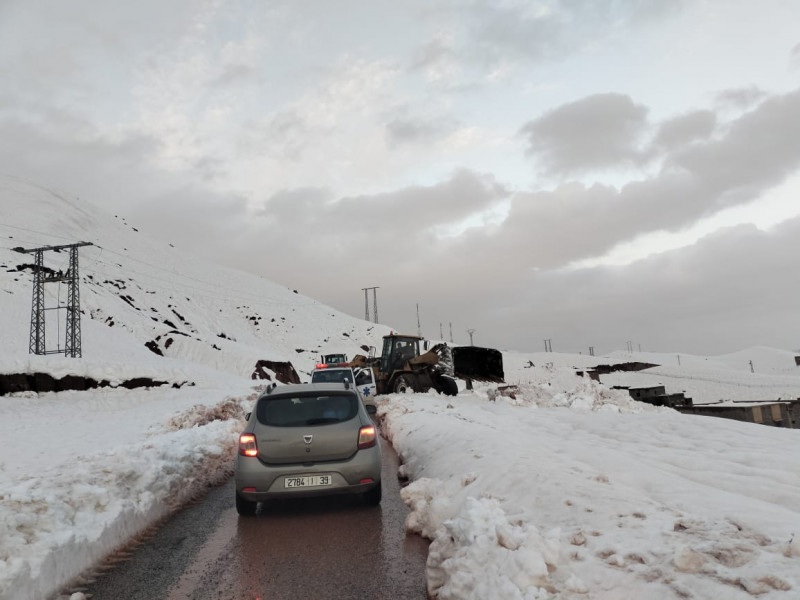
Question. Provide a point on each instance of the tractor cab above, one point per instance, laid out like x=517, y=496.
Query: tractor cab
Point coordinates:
x=333, y=359
x=397, y=351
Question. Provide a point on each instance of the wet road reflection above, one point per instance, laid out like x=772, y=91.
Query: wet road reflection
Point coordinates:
x=337, y=548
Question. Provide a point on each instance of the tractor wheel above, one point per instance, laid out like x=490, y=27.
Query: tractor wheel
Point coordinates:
x=447, y=386
x=402, y=385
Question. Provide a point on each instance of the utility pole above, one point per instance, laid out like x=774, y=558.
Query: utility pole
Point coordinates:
x=470, y=332
x=548, y=345
x=451, y=333
x=419, y=329
x=72, y=342
x=591, y=350
x=441, y=335
x=374, y=303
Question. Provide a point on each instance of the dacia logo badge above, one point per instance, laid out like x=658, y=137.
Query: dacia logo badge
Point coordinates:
x=307, y=438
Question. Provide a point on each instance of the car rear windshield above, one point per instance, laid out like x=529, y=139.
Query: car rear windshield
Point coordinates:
x=307, y=409
x=332, y=376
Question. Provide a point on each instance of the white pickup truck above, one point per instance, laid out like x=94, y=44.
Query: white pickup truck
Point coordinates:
x=362, y=378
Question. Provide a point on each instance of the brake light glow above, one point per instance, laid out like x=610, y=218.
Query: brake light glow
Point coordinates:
x=367, y=437
x=247, y=445
x=322, y=366
x=367, y=480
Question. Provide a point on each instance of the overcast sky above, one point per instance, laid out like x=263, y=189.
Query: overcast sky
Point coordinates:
x=526, y=169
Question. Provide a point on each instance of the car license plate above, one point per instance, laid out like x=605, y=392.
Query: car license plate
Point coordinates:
x=307, y=481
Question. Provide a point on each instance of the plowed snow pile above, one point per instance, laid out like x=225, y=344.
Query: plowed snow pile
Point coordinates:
x=587, y=494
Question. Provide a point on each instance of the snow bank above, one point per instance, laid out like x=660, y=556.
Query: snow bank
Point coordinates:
x=77, y=499
x=544, y=494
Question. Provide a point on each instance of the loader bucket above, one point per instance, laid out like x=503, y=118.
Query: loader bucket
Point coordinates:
x=479, y=364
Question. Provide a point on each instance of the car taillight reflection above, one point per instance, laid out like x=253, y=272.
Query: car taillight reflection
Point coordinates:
x=367, y=437
x=247, y=445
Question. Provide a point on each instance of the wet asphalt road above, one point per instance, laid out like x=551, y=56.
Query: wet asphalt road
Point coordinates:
x=334, y=548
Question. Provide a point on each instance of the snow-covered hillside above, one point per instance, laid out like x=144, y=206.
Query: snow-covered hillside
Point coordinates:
x=136, y=291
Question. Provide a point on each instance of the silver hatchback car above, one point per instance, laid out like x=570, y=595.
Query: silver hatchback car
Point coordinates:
x=307, y=440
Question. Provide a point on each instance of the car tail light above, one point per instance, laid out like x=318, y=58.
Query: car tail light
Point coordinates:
x=247, y=445
x=366, y=437
x=321, y=366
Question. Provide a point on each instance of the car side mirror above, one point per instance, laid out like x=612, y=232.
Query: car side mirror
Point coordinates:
x=372, y=409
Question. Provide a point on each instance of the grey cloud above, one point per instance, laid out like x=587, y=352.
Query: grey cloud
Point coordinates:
x=682, y=130
x=283, y=135
x=302, y=207
x=218, y=217
x=432, y=53
x=408, y=212
x=758, y=151
x=118, y=176
x=599, y=131
x=741, y=98
x=729, y=291
x=233, y=74
x=209, y=169
x=388, y=237
x=87, y=161
x=394, y=234
x=411, y=130
x=751, y=154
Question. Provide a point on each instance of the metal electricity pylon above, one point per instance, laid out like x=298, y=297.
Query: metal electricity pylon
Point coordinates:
x=374, y=302
x=72, y=342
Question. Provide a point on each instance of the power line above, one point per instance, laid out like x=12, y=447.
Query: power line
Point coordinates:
x=210, y=292
x=53, y=235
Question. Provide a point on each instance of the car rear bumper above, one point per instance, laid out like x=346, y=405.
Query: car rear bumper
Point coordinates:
x=263, y=481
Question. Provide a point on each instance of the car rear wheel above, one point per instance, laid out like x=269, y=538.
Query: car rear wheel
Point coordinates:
x=246, y=508
x=403, y=385
x=373, y=497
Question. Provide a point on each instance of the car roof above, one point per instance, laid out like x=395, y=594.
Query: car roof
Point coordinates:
x=304, y=388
